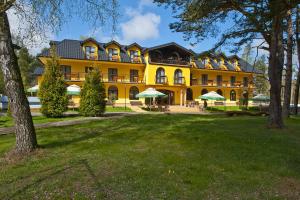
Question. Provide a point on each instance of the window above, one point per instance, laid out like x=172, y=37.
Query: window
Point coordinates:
x=189, y=94
x=245, y=81
x=88, y=69
x=220, y=92
x=160, y=75
x=133, y=92
x=219, y=80
x=178, y=79
x=232, y=80
x=112, y=74
x=232, y=95
x=112, y=52
x=133, y=54
x=89, y=51
x=204, y=79
x=113, y=93
x=204, y=91
x=134, y=75
x=66, y=71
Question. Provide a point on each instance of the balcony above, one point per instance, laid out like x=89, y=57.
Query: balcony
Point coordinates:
x=106, y=78
x=168, y=61
x=179, y=81
x=161, y=80
x=115, y=58
x=136, y=59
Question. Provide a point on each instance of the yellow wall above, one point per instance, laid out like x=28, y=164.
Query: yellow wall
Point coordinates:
x=148, y=73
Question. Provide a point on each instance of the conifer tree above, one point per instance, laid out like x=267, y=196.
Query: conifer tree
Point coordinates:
x=52, y=91
x=92, y=96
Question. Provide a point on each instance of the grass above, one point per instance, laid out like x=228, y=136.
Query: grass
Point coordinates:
x=117, y=109
x=158, y=157
x=6, y=121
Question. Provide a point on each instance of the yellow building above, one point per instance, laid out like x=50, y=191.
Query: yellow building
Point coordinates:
x=170, y=68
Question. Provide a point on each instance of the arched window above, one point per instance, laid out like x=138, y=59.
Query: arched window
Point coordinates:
x=204, y=91
x=189, y=94
x=178, y=79
x=112, y=93
x=133, y=92
x=175, y=56
x=160, y=75
x=232, y=95
x=220, y=92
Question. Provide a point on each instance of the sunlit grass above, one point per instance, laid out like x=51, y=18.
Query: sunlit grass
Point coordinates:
x=158, y=157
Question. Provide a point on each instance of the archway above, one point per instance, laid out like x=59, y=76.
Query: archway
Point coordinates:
x=189, y=94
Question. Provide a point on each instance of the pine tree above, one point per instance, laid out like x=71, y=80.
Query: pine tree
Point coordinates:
x=52, y=91
x=27, y=64
x=92, y=96
x=261, y=79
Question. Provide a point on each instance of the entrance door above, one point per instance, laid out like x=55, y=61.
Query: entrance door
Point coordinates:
x=169, y=99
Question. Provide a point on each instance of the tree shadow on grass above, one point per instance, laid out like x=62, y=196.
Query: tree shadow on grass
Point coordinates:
x=51, y=173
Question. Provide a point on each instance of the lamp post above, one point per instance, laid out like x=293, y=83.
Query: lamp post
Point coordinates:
x=125, y=96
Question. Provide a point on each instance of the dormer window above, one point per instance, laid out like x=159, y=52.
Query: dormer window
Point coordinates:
x=89, y=52
x=134, y=56
x=112, y=53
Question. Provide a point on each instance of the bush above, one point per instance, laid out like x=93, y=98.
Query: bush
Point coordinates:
x=92, y=96
x=52, y=91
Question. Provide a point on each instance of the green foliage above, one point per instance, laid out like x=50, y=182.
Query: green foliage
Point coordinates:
x=27, y=64
x=52, y=92
x=92, y=96
x=261, y=81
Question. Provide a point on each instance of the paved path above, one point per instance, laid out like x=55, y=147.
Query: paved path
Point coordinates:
x=9, y=130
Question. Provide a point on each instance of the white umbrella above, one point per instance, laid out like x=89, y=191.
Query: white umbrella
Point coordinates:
x=212, y=96
x=33, y=89
x=150, y=93
x=73, y=90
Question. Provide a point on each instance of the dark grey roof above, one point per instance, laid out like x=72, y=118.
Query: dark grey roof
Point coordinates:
x=38, y=71
x=72, y=49
x=199, y=64
x=170, y=44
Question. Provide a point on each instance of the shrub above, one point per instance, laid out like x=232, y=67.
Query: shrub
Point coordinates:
x=92, y=96
x=52, y=91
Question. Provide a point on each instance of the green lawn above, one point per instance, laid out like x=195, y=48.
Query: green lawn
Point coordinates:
x=117, y=109
x=158, y=157
x=8, y=121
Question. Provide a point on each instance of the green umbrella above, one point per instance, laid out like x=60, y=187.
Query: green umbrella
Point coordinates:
x=150, y=93
x=33, y=89
x=212, y=96
x=73, y=90
x=261, y=98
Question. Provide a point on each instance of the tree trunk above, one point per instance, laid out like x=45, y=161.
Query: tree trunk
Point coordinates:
x=24, y=129
x=289, y=67
x=296, y=93
x=276, y=60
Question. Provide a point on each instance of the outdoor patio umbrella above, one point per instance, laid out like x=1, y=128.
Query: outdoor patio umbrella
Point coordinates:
x=212, y=96
x=73, y=90
x=150, y=93
x=33, y=89
x=261, y=97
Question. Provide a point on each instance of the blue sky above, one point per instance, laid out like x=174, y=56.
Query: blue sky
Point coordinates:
x=141, y=21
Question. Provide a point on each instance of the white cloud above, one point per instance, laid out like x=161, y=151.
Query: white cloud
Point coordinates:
x=141, y=27
x=33, y=39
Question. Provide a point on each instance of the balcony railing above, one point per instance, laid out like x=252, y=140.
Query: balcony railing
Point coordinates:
x=212, y=83
x=122, y=78
x=136, y=59
x=179, y=81
x=161, y=80
x=169, y=61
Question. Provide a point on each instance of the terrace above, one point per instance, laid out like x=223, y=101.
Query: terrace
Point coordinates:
x=170, y=54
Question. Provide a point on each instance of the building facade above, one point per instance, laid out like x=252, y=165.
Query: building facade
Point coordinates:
x=170, y=68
